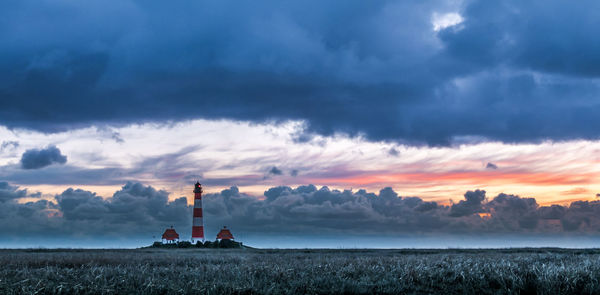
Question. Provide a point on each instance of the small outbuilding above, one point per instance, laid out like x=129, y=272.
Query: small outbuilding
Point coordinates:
x=170, y=236
x=224, y=234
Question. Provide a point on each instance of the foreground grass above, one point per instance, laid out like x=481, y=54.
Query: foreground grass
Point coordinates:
x=174, y=271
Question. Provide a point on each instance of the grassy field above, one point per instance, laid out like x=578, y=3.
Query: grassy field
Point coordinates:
x=214, y=271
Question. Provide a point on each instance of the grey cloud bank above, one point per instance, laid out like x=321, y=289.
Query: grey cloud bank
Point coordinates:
x=512, y=71
x=138, y=212
x=10, y=193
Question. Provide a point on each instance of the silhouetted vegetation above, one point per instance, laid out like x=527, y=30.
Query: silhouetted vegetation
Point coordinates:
x=246, y=271
x=222, y=244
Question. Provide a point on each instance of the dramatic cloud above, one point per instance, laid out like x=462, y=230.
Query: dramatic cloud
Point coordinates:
x=472, y=204
x=511, y=213
x=134, y=211
x=275, y=171
x=40, y=158
x=417, y=72
x=17, y=220
x=9, y=193
x=307, y=209
x=137, y=211
x=491, y=165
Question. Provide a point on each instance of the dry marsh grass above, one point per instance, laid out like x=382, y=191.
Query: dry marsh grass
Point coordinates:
x=214, y=271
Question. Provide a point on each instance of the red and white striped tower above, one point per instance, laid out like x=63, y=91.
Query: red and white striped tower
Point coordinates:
x=197, y=224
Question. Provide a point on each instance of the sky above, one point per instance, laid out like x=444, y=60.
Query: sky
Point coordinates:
x=308, y=123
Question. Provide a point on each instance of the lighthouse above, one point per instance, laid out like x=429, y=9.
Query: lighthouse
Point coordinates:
x=197, y=224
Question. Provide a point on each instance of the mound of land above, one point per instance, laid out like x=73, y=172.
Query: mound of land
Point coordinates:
x=222, y=244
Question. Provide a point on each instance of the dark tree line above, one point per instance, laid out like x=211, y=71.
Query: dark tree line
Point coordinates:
x=199, y=244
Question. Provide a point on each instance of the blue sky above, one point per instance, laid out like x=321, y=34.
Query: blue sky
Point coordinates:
x=432, y=99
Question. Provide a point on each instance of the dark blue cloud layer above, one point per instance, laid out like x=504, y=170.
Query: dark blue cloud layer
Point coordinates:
x=40, y=158
x=512, y=71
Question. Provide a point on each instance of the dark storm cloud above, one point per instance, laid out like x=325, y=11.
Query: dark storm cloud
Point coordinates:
x=581, y=215
x=137, y=210
x=491, y=165
x=309, y=209
x=552, y=212
x=512, y=213
x=40, y=158
x=275, y=171
x=546, y=36
x=8, y=192
x=19, y=219
x=512, y=71
x=472, y=204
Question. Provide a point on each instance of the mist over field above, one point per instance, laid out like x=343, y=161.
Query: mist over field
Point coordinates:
x=332, y=242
